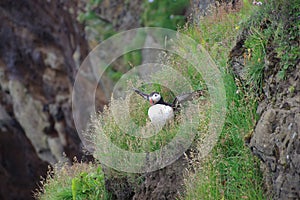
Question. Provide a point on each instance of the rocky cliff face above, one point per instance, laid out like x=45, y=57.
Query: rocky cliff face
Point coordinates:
x=276, y=137
x=41, y=47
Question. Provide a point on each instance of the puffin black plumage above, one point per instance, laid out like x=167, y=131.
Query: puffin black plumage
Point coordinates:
x=160, y=111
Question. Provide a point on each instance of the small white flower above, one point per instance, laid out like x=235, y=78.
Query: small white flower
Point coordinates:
x=150, y=1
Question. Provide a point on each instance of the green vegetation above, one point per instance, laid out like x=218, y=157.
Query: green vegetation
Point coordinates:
x=164, y=13
x=159, y=13
x=76, y=182
x=231, y=172
x=273, y=28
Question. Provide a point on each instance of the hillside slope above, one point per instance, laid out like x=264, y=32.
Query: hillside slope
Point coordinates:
x=266, y=60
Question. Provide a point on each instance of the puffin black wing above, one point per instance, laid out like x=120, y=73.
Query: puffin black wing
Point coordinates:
x=145, y=96
x=186, y=97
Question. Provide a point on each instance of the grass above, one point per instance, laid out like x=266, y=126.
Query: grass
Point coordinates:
x=76, y=182
x=132, y=134
x=273, y=29
x=231, y=171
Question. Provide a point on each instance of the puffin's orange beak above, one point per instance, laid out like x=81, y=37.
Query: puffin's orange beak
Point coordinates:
x=151, y=101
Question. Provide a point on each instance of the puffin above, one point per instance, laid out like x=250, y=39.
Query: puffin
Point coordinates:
x=161, y=112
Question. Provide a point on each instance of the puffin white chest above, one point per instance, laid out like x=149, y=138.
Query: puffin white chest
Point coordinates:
x=159, y=114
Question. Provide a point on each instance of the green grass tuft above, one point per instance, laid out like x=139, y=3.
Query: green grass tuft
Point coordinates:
x=76, y=182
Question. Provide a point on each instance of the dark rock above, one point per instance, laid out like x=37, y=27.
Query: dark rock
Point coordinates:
x=20, y=167
x=163, y=184
x=166, y=183
x=119, y=186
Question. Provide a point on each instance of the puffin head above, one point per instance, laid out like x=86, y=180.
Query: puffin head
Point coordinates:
x=154, y=98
